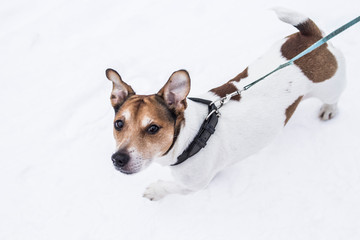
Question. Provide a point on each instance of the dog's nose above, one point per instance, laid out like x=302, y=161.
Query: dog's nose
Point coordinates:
x=120, y=159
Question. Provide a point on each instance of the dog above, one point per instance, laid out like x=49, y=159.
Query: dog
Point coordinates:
x=159, y=127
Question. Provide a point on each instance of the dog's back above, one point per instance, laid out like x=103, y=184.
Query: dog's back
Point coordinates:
x=248, y=122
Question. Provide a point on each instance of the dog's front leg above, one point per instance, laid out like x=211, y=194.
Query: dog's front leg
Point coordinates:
x=160, y=189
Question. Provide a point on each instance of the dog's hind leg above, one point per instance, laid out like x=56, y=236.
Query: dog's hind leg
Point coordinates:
x=329, y=91
x=328, y=111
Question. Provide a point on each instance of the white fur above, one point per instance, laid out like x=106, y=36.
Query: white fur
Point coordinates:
x=291, y=17
x=146, y=121
x=246, y=126
x=127, y=115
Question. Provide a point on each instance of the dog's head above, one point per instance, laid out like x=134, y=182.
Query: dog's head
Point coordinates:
x=146, y=126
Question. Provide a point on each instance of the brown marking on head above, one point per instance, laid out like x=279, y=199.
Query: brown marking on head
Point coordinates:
x=229, y=87
x=140, y=115
x=318, y=65
x=291, y=109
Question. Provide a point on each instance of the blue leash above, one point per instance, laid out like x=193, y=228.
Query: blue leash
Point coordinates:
x=291, y=61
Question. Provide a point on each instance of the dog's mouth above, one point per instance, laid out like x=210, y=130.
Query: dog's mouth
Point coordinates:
x=126, y=171
x=133, y=167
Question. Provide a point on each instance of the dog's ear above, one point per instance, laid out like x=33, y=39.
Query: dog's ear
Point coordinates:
x=175, y=91
x=121, y=91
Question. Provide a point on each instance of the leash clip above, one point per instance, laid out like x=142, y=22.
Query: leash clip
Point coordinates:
x=224, y=100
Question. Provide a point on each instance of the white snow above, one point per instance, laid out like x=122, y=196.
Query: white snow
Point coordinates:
x=56, y=177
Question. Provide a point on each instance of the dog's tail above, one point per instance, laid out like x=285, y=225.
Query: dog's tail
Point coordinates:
x=304, y=24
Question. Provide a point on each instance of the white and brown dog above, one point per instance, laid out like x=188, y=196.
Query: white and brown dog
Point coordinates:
x=161, y=126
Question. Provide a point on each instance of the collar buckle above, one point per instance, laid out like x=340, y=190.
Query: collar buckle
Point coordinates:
x=218, y=114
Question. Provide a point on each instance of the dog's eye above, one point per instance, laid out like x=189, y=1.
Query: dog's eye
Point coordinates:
x=118, y=125
x=153, y=129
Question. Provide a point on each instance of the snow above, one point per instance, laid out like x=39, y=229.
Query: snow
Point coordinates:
x=56, y=177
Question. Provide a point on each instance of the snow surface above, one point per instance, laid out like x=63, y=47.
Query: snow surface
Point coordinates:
x=56, y=177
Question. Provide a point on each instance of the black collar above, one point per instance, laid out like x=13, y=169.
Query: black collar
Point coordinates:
x=206, y=130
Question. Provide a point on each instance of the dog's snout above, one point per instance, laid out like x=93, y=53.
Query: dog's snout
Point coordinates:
x=120, y=159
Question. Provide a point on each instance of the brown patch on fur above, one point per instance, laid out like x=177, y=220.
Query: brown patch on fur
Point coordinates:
x=291, y=109
x=309, y=28
x=226, y=89
x=318, y=65
x=229, y=87
x=179, y=122
x=243, y=74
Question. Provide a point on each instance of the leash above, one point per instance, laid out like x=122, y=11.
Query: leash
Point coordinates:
x=210, y=122
x=317, y=44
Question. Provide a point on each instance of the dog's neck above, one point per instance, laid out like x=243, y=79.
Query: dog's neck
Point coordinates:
x=194, y=115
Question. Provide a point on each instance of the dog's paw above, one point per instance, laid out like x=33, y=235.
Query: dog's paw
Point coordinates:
x=155, y=191
x=328, y=111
